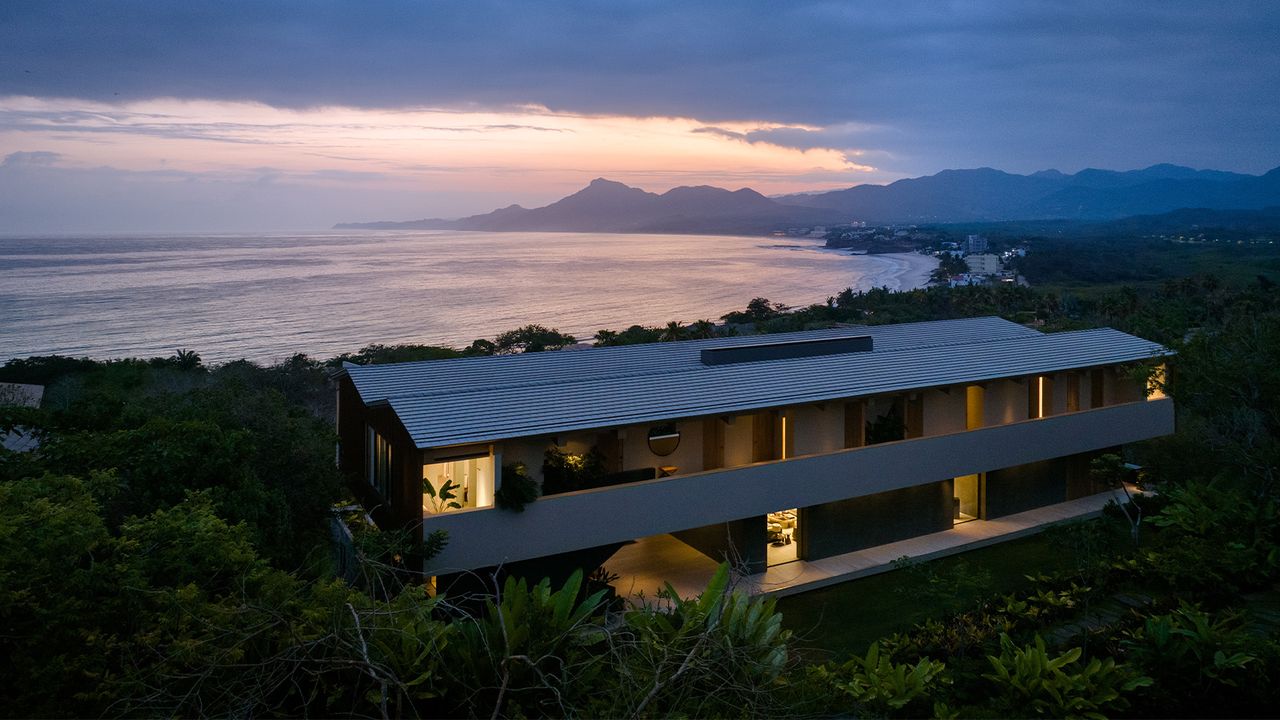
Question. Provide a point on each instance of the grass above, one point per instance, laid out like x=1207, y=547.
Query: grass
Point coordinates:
x=841, y=620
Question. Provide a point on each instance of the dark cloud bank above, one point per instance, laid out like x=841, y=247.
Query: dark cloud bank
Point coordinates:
x=926, y=85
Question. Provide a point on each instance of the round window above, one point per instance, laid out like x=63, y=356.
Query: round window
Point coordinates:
x=664, y=439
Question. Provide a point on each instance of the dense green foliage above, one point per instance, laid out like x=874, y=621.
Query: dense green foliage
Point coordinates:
x=565, y=472
x=145, y=436
x=1075, y=261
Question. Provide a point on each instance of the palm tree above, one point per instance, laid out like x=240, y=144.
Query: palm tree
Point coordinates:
x=186, y=359
x=702, y=329
x=672, y=332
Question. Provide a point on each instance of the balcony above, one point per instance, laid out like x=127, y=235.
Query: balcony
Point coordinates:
x=488, y=536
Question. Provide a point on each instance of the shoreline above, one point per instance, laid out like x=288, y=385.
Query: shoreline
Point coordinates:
x=913, y=272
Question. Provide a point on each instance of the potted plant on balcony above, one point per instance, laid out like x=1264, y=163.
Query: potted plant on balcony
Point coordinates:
x=444, y=498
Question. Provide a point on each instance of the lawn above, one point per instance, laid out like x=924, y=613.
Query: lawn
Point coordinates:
x=843, y=619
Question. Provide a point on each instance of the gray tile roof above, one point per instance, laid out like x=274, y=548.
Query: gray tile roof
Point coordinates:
x=451, y=402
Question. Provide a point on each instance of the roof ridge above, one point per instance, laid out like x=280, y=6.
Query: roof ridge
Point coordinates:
x=604, y=349
x=668, y=371
x=681, y=343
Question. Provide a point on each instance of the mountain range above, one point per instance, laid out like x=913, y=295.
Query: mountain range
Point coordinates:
x=978, y=195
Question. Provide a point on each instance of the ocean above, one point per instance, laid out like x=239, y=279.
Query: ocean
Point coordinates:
x=265, y=297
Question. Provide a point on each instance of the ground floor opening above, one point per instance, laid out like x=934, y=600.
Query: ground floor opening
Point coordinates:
x=645, y=566
x=967, y=498
x=782, y=532
x=795, y=547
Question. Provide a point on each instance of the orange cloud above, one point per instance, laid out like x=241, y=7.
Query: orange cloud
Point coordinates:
x=529, y=152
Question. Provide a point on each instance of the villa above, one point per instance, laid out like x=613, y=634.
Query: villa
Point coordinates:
x=787, y=454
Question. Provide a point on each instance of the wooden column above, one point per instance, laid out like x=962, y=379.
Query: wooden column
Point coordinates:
x=712, y=443
x=764, y=444
x=915, y=415
x=855, y=424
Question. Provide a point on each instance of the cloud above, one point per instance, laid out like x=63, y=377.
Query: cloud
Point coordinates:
x=846, y=138
x=526, y=127
x=908, y=88
x=35, y=157
x=722, y=132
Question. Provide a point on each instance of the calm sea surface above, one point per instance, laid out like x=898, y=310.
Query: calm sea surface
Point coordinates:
x=265, y=297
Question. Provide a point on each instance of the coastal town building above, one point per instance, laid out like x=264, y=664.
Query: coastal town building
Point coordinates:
x=787, y=454
x=975, y=244
x=984, y=264
x=968, y=280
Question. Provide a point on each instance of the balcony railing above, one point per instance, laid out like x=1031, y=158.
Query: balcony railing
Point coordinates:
x=588, y=518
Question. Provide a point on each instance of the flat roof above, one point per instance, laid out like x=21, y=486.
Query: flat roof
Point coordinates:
x=483, y=399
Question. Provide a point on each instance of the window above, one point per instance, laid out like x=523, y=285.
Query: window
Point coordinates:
x=378, y=452
x=457, y=483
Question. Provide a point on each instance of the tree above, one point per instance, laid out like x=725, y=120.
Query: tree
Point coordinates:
x=948, y=265
x=479, y=347
x=758, y=310
x=531, y=338
x=186, y=359
x=673, y=332
x=634, y=335
x=377, y=353
x=702, y=330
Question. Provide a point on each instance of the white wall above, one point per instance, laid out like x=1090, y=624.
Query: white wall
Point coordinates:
x=815, y=429
x=737, y=441
x=944, y=412
x=687, y=456
x=1005, y=401
x=529, y=451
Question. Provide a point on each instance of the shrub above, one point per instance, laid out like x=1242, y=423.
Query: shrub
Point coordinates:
x=1029, y=679
x=1198, y=659
x=565, y=472
x=517, y=488
x=878, y=684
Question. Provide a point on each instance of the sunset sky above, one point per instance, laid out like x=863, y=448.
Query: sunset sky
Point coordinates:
x=158, y=116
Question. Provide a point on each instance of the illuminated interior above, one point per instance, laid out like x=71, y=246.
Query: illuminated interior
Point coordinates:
x=966, y=491
x=1155, y=383
x=457, y=484
x=974, y=397
x=781, y=534
x=1040, y=397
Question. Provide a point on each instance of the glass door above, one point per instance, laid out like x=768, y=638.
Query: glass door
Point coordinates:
x=781, y=535
x=968, y=498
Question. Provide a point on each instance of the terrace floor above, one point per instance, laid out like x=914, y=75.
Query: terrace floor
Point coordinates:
x=646, y=565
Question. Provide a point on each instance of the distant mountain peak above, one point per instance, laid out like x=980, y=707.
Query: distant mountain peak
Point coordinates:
x=606, y=182
x=972, y=195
